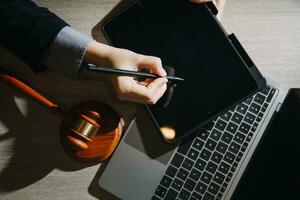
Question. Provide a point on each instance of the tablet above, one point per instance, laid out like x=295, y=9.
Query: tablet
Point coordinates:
x=188, y=37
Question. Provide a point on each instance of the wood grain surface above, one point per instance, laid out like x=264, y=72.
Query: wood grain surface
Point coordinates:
x=33, y=165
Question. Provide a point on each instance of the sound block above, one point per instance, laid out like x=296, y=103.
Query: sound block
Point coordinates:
x=106, y=139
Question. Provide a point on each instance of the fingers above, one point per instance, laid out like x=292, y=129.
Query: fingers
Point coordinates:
x=151, y=93
x=153, y=64
x=148, y=94
x=159, y=93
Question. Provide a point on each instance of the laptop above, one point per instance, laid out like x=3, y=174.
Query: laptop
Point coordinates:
x=210, y=164
x=218, y=161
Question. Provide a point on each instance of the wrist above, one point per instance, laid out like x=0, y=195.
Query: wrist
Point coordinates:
x=99, y=54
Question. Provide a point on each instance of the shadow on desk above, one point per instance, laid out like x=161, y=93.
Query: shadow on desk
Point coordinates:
x=36, y=149
x=30, y=148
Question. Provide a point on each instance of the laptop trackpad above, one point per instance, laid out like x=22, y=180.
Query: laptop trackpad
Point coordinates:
x=145, y=137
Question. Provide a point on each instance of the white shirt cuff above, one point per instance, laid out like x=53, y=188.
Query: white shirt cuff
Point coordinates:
x=66, y=53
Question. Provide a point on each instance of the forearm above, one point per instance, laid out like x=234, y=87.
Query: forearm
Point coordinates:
x=100, y=54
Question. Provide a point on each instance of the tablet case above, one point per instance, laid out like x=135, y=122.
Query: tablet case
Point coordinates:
x=211, y=12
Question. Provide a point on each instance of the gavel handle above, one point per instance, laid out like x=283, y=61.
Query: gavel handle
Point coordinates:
x=27, y=90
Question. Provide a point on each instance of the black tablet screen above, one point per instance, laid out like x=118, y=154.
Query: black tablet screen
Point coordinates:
x=186, y=37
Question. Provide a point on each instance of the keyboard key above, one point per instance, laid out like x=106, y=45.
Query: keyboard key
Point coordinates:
x=264, y=107
x=222, y=147
x=171, y=195
x=213, y=188
x=219, y=178
x=184, y=195
x=160, y=191
x=244, y=128
x=270, y=96
x=206, y=177
x=211, y=167
x=239, y=157
x=259, y=117
x=198, y=144
x=239, y=138
x=184, y=147
x=227, y=137
x=249, y=137
x=229, y=157
x=195, y=196
x=182, y=174
x=259, y=99
x=244, y=146
x=229, y=176
x=226, y=116
x=234, y=147
x=166, y=181
x=195, y=174
x=177, y=160
x=209, y=125
x=208, y=196
x=242, y=108
x=220, y=125
x=223, y=187
x=249, y=100
x=254, y=127
x=249, y=118
x=266, y=90
x=215, y=134
x=205, y=154
x=219, y=196
x=203, y=134
x=216, y=157
x=210, y=144
x=233, y=167
x=171, y=171
x=189, y=185
x=177, y=184
x=231, y=128
x=201, y=188
x=193, y=154
x=187, y=164
x=237, y=118
x=254, y=108
x=200, y=164
x=224, y=168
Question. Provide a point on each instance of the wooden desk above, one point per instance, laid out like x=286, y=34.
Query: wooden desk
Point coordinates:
x=32, y=162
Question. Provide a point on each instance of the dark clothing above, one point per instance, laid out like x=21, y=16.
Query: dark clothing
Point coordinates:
x=28, y=30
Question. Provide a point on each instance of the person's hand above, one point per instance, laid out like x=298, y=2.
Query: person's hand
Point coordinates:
x=128, y=88
x=219, y=4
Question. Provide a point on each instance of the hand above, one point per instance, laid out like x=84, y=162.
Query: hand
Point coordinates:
x=128, y=88
x=219, y=4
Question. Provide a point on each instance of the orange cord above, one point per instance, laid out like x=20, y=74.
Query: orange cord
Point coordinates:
x=27, y=90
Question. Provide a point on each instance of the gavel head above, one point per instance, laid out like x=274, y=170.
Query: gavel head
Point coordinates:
x=84, y=127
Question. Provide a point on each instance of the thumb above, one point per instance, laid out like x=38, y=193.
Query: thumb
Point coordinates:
x=153, y=64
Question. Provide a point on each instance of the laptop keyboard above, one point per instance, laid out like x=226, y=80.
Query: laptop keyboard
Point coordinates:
x=203, y=167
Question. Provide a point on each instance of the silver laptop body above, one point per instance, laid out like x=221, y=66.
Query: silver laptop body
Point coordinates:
x=140, y=162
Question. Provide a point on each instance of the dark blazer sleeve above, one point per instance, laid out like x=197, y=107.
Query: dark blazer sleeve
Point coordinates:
x=28, y=30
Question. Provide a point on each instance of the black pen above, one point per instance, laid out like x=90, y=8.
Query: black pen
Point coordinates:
x=123, y=72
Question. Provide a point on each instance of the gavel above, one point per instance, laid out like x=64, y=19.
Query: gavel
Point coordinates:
x=82, y=129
